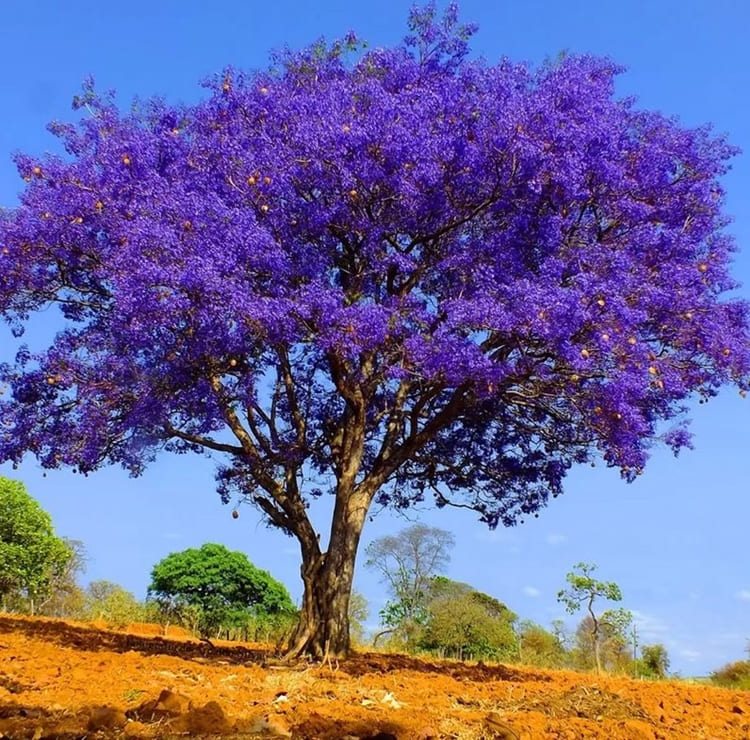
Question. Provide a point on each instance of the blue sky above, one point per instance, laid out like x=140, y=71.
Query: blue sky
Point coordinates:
x=675, y=540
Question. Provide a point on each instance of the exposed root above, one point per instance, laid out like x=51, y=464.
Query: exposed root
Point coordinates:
x=294, y=651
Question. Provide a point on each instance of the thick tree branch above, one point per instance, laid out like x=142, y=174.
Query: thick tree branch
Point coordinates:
x=206, y=442
x=417, y=439
x=285, y=372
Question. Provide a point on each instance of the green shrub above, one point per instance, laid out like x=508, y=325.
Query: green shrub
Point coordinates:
x=540, y=647
x=733, y=675
x=217, y=592
x=112, y=604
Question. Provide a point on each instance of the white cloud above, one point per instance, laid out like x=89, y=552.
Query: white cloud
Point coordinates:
x=690, y=655
x=531, y=591
x=650, y=627
x=743, y=594
x=556, y=539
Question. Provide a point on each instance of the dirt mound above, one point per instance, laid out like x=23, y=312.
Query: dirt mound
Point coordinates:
x=92, y=639
x=365, y=663
x=588, y=702
x=60, y=680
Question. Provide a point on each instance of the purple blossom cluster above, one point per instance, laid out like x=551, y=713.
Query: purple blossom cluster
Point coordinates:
x=431, y=275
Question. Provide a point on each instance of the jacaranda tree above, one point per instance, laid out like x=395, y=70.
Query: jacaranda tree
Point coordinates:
x=385, y=275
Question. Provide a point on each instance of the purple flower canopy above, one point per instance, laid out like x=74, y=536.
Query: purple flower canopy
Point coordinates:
x=402, y=268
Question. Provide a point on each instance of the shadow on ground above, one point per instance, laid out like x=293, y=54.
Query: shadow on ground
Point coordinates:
x=92, y=639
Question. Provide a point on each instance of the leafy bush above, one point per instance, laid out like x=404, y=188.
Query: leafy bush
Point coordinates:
x=32, y=556
x=464, y=623
x=214, y=591
x=112, y=604
x=733, y=675
x=654, y=662
x=539, y=647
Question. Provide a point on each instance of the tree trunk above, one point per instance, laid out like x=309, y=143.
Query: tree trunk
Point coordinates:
x=323, y=629
x=597, y=646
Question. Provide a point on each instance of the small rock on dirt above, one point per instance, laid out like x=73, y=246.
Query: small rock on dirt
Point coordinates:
x=135, y=729
x=106, y=718
x=201, y=721
x=390, y=700
x=272, y=725
x=168, y=705
x=172, y=703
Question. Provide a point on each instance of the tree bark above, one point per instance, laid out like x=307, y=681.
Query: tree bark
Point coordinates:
x=323, y=629
x=595, y=633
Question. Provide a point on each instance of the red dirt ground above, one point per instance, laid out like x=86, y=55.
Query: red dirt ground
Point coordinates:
x=66, y=680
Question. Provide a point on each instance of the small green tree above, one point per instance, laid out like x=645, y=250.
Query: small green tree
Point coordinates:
x=64, y=597
x=31, y=554
x=540, y=647
x=407, y=562
x=113, y=604
x=612, y=642
x=467, y=623
x=654, y=661
x=217, y=587
x=614, y=639
x=358, y=612
x=582, y=590
x=561, y=632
